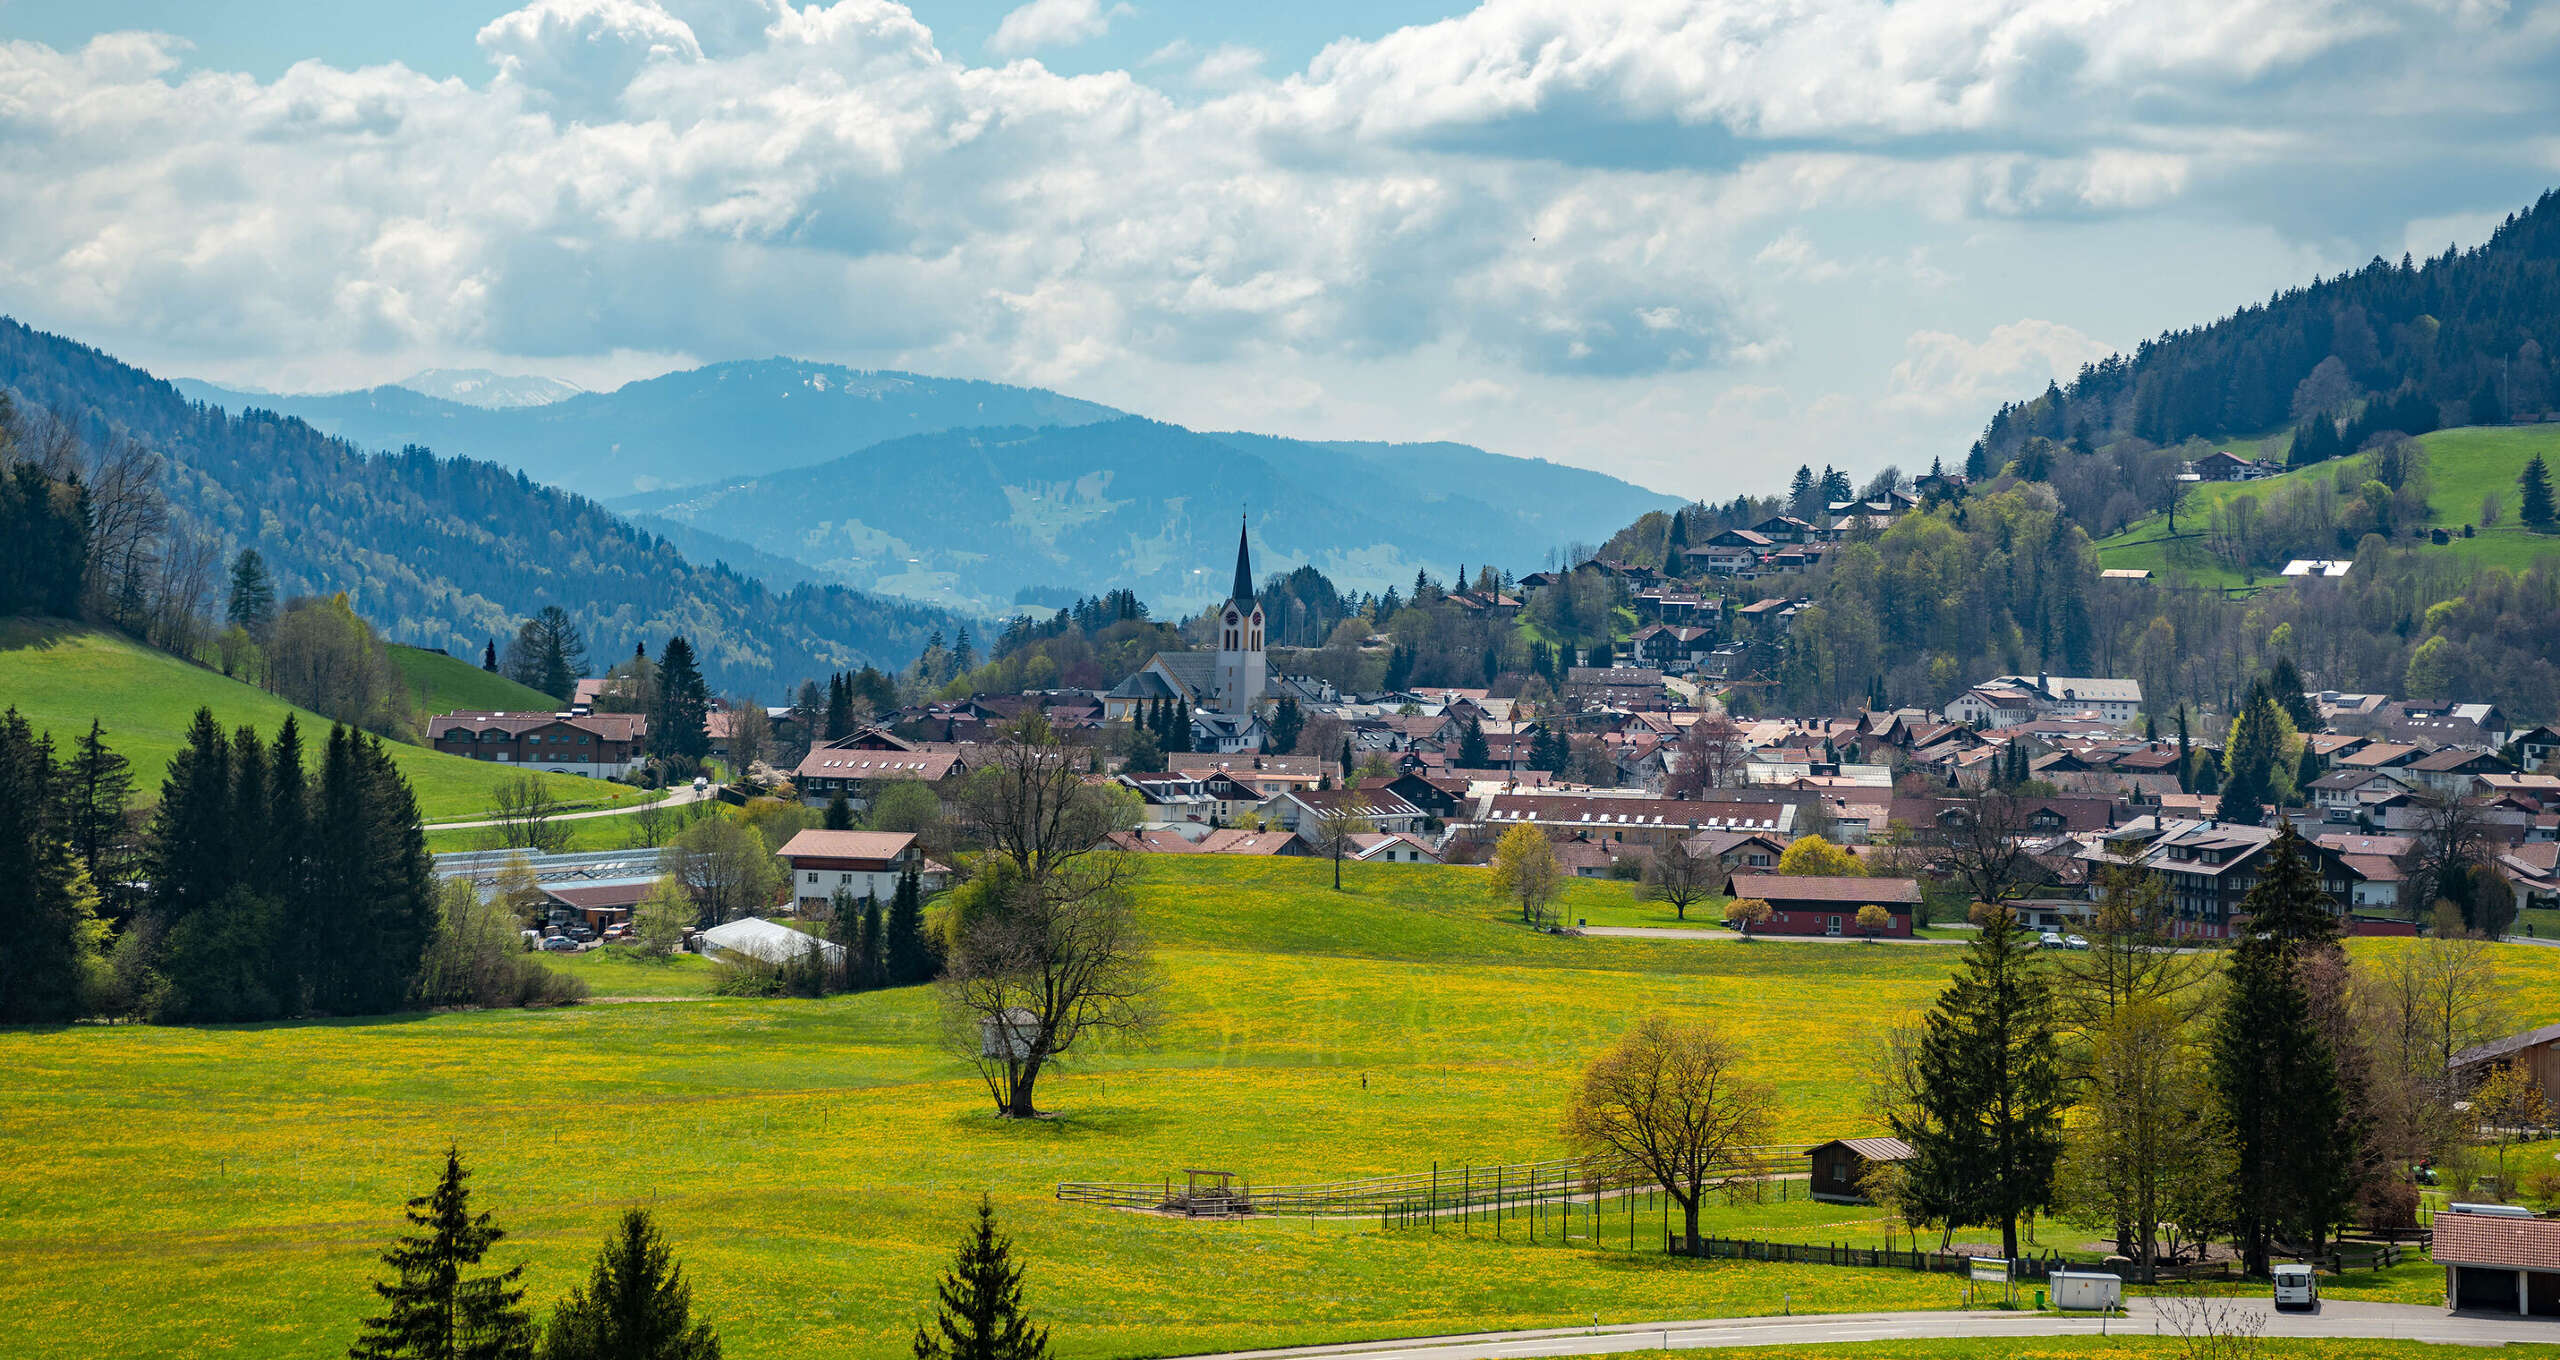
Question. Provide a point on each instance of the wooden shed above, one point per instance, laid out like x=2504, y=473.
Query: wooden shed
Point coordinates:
x=1840, y=1166
x=2537, y=1051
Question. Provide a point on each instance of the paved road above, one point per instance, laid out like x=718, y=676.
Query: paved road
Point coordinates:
x=678, y=798
x=2335, y=1320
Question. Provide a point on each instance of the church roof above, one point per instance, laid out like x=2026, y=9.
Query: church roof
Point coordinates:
x=1243, y=593
x=1196, y=673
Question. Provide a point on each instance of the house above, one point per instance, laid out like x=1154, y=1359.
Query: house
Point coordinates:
x=2226, y=466
x=1784, y=529
x=2342, y=794
x=1839, y=1167
x=2535, y=748
x=2209, y=866
x=2532, y=869
x=1244, y=841
x=2498, y=1260
x=1800, y=904
x=1732, y=552
x=1400, y=848
x=595, y=905
x=2110, y=700
x=858, y=772
x=2315, y=569
x=1641, y=821
x=1266, y=775
x=1305, y=810
x=2456, y=770
x=857, y=863
x=1671, y=647
x=1614, y=686
x=597, y=745
x=1992, y=706
x=752, y=939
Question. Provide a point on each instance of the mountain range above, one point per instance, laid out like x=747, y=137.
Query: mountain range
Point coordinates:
x=450, y=552
x=982, y=497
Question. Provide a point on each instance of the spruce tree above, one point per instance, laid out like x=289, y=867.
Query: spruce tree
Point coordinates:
x=253, y=594
x=436, y=1310
x=2274, y=1074
x=1986, y=1132
x=910, y=955
x=1347, y=765
x=2186, y=755
x=839, y=815
x=871, y=956
x=2284, y=685
x=1473, y=754
x=681, y=726
x=489, y=657
x=635, y=1306
x=305, y=928
x=191, y=829
x=1180, y=742
x=979, y=1314
x=97, y=801
x=48, y=919
x=2535, y=484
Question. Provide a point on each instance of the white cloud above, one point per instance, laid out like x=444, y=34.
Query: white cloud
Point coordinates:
x=1052, y=23
x=1942, y=373
x=1574, y=203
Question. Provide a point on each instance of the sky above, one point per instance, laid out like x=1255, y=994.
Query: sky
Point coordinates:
x=1692, y=243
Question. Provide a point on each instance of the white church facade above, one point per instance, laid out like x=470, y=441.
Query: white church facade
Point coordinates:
x=1226, y=690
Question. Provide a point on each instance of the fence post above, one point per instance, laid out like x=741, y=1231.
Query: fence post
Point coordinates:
x=1435, y=1195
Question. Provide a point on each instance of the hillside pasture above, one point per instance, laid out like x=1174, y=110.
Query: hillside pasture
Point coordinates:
x=59, y=675
x=439, y=683
x=813, y=1161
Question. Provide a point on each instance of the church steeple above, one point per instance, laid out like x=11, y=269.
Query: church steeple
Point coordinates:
x=1243, y=594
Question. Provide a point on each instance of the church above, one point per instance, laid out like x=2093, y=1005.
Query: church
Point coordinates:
x=1227, y=689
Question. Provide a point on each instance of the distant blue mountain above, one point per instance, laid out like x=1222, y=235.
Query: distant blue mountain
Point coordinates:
x=967, y=494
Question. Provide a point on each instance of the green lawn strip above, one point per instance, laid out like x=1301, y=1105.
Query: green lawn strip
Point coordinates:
x=614, y=971
x=61, y=675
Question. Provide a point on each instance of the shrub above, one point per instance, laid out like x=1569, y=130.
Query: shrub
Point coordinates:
x=477, y=958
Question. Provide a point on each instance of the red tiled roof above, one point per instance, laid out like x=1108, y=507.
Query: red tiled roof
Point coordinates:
x=1774, y=888
x=866, y=845
x=2495, y=1240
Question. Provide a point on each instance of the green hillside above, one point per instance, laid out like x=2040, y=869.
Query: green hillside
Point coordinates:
x=812, y=1161
x=60, y=675
x=446, y=684
x=2464, y=466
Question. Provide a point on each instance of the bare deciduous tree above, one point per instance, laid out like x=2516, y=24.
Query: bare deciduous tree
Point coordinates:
x=1677, y=874
x=1669, y=1097
x=1046, y=949
x=1336, y=836
x=750, y=736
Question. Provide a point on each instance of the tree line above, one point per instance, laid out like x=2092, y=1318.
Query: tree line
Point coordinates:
x=259, y=886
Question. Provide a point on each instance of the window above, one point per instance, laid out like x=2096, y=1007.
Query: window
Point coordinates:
x=813, y=876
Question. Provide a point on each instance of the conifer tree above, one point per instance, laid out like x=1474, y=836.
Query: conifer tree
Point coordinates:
x=2536, y=508
x=1286, y=723
x=839, y=815
x=1986, y=1128
x=436, y=1310
x=1181, y=742
x=2186, y=755
x=48, y=918
x=1347, y=765
x=97, y=799
x=2284, y=685
x=489, y=657
x=1473, y=754
x=635, y=1306
x=253, y=594
x=680, y=728
x=191, y=829
x=979, y=1313
x=871, y=954
x=2274, y=1073
x=910, y=955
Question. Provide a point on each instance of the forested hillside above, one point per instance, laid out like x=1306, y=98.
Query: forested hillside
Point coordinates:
x=2465, y=338
x=449, y=552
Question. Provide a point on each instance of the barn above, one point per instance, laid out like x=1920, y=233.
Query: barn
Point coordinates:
x=1840, y=1166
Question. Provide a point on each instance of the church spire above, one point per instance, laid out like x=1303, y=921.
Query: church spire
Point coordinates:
x=1244, y=567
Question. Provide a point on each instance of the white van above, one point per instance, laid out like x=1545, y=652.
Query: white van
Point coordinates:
x=2296, y=1287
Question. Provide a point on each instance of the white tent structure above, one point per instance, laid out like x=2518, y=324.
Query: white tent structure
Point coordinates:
x=752, y=937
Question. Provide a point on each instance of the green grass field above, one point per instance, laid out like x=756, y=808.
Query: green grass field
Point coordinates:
x=60, y=675
x=444, y=684
x=222, y=1191
x=2464, y=466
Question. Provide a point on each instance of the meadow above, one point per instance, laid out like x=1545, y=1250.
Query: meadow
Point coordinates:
x=2464, y=465
x=60, y=675
x=439, y=683
x=223, y=1190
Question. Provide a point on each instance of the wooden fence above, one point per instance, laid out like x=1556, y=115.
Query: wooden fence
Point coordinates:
x=1536, y=1194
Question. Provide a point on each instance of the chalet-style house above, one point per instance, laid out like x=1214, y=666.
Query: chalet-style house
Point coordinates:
x=1305, y=810
x=1266, y=775
x=2209, y=866
x=858, y=863
x=2223, y=465
x=2006, y=700
x=598, y=745
x=1633, y=821
x=858, y=766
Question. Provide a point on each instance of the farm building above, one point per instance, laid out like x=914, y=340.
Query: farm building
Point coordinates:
x=2537, y=1051
x=2503, y=1262
x=1840, y=1166
x=753, y=937
x=858, y=863
x=1803, y=905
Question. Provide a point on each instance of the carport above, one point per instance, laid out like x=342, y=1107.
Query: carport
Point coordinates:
x=2499, y=1260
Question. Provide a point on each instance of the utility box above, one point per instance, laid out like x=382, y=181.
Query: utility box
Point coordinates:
x=2087, y=1290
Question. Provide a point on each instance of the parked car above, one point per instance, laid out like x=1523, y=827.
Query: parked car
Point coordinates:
x=558, y=944
x=581, y=934
x=2296, y=1287
x=2075, y=942
x=2051, y=939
